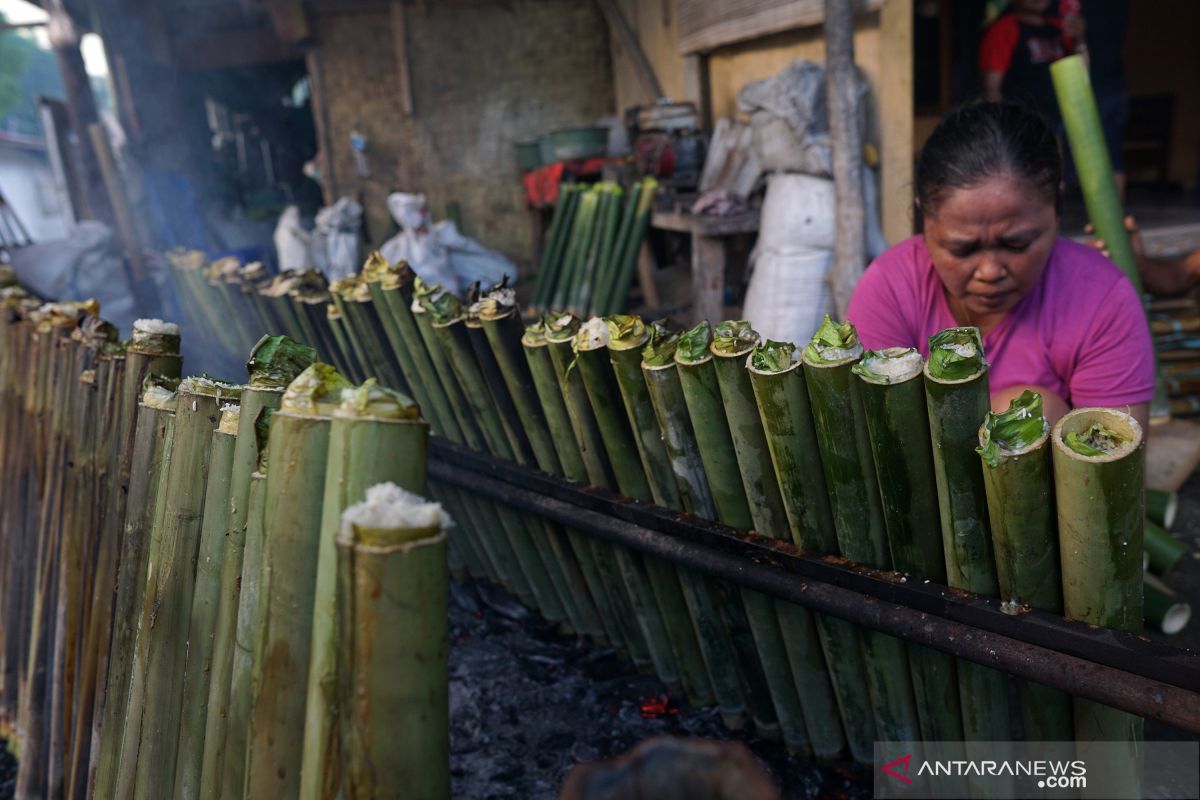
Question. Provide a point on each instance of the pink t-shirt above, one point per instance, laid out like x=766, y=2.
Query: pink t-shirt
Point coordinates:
x=1081, y=332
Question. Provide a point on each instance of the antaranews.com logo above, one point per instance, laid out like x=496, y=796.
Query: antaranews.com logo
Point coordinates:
x=1050, y=774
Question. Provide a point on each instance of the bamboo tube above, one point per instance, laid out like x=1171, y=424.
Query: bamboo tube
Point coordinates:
x=731, y=346
x=957, y=399
x=376, y=436
x=291, y=536
x=665, y=396
x=1164, y=609
x=205, y=597
x=559, y=332
x=1014, y=449
x=560, y=226
x=1161, y=507
x=274, y=362
x=783, y=405
x=1162, y=549
x=148, y=757
x=1098, y=479
x=762, y=680
x=849, y=468
x=393, y=673
x=893, y=398
x=582, y=233
x=628, y=255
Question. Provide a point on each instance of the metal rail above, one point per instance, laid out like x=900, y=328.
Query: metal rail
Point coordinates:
x=1129, y=672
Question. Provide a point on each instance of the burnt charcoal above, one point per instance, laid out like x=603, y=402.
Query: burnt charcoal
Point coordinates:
x=528, y=705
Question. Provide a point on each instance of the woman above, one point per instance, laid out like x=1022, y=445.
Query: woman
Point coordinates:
x=1056, y=316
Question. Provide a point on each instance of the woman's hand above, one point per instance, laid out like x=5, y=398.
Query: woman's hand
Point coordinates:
x=1159, y=276
x=1135, y=238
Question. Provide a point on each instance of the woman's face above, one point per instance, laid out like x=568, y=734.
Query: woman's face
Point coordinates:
x=990, y=242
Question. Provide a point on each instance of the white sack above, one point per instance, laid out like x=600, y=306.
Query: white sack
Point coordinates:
x=292, y=241
x=788, y=294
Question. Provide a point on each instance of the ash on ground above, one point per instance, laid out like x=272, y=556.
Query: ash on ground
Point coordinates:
x=527, y=704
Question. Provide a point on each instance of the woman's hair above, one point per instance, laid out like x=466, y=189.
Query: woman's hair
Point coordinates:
x=981, y=140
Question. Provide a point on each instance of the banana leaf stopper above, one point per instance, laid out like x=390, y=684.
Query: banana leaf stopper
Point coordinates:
x=95, y=333
x=153, y=336
x=1013, y=431
x=316, y=392
x=376, y=402
x=890, y=365
x=375, y=268
x=1095, y=441
x=49, y=316
x=159, y=396
x=772, y=356
x=833, y=342
x=88, y=377
x=498, y=302
x=275, y=361
x=693, y=345
x=282, y=284
x=732, y=337
x=592, y=335
x=534, y=335
x=442, y=306
x=220, y=270
x=560, y=326
x=660, y=349
x=956, y=354
x=345, y=287
x=391, y=516
x=230, y=413
x=210, y=387
x=625, y=331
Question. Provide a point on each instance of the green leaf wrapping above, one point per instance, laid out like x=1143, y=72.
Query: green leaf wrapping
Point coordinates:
x=733, y=336
x=660, y=349
x=693, y=345
x=772, y=356
x=833, y=341
x=1012, y=430
x=956, y=354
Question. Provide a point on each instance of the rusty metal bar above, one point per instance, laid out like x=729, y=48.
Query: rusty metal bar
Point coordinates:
x=1125, y=671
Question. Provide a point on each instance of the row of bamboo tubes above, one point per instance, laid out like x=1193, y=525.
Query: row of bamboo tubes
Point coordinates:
x=182, y=616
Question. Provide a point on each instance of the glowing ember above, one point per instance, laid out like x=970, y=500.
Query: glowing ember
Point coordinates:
x=658, y=706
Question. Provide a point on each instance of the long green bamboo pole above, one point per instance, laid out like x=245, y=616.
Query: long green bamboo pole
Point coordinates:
x=376, y=436
x=849, y=468
x=779, y=389
x=393, y=672
x=291, y=537
x=763, y=668
x=205, y=598
x=1014, y=447
x=1098, y=490
x=793, y=625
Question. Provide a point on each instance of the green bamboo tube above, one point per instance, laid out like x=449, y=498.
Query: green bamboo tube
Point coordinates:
x=582, y=233
x=608, y=245
x=849, y=468
x=337, y=329
x=355, y=338
x=369, y=334
x=276, y=297
x=783, y=405
x=558, y=421
x=274, y=362
x=893, y=398
x=394, y=681
x=1161, y=507
x=1098, y=480
x=1014, y=449
x=667, y=624
x=628, y=256
x=291, y=537
x=376, y=436
x=560, y=226
x=1163, y=549
x=628, y=218
x=1164, y=609
x=589, y=283
x=205, y=597
x=1085, y=135
x=503, y=329
x=732, y=344
x=559, y=333
x=148, y=756
x=761, y=658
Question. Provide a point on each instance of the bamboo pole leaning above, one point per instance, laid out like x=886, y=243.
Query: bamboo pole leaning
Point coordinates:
x=392, y=642
x=376, y=436
x=846, y=458
x=1014, y=446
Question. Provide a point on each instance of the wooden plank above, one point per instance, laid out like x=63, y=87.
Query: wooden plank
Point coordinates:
x=705, y=25
x=708, y=278
x=683, y=222
x=321, y=117
x=400, y=48
x=621, y=31
x=895, y=98
x=646, y=268
x=1172, y=453
x=119, y=203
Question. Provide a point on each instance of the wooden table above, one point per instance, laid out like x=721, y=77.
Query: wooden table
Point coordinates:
x=708, y=253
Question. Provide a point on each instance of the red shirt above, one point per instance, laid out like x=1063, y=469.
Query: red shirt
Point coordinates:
x=1024, y=53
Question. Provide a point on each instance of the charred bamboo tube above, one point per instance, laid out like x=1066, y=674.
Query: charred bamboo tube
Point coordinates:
x=376, y=436
x=1163, y=549
x=1098, y=480
x=893, y=397
x=732, y=344
x=702, y=396
x=779, y=389
x=274, y=362
x=1014, y=449
x=393, y=675
x=205, y=597
x=1164, y=608
x=291, y=537
x=593, y=365
x=665, y=398
x=844, y=442
x=558, y=421
x=559, y=331
x=957, y=399
x=148, y=756
x=502, y=326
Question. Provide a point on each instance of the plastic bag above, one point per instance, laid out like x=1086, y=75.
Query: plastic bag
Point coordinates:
x=292, y=241
x=335, y=239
